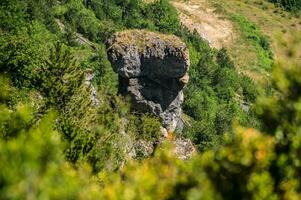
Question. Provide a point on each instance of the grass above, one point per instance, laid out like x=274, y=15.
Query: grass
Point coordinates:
x=258, y=25
x=254, y=41
x=253, y=20
x=143, y=38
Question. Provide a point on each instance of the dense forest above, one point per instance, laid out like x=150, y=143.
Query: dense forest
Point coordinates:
x=292, y=5
x=56, y=142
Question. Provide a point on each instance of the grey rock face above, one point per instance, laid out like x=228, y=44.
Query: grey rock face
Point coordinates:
x=88, y=83
x=152, y=69
x=184, y=148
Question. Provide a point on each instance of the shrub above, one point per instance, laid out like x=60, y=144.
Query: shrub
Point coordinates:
x=292, y=5
x=215, y=96
x=164, y=16
x=59, y=77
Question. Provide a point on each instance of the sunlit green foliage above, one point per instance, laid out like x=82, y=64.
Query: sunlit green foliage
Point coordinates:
x=23, y=51
x=216, y=94
x=31, y=160
x=252, y=34
x=59, y=77
x=34, y=55
x=164, y=16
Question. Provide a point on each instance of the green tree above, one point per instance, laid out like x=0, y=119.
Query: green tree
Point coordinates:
x=31, y=157
x=60, y=76
x=164, y=16
x=292, y=5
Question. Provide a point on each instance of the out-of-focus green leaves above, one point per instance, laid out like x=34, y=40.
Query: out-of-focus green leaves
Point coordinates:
x=4, y=88
x=238, y=170
x=32, y=162
x=33, y=167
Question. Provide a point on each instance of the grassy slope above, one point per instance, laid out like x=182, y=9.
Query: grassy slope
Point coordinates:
x=271, y=21
x=248, y=55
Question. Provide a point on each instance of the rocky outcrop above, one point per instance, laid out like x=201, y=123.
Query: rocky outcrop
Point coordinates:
x=152, y=69
x=88, y=82
x=183, y=148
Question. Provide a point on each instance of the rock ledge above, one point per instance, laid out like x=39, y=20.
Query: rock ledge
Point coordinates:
x=152, y=69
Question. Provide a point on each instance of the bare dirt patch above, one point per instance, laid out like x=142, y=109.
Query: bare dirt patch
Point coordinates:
x=197, y=16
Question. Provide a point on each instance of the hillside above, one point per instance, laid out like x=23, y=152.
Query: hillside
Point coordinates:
x=229, y=24
x=143, y=99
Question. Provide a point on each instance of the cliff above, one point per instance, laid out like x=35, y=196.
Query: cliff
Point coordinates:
x=152, y=70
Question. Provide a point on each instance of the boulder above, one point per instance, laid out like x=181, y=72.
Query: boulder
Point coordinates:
x=153, y=70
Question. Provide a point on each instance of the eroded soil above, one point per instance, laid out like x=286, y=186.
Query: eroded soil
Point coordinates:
x=196, y=16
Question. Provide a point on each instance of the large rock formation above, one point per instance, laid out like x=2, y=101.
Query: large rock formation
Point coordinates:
x=152, y=69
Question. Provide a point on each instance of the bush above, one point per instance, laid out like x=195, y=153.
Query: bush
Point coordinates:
x=216, y=95
x=59, y=77
x=23, y=51
x=164, y=16
x=38, y=168
x=292, y=5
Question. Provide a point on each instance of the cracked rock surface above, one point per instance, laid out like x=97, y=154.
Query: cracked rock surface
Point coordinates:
x=152, y=69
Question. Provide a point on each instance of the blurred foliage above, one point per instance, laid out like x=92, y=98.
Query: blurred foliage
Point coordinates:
x=280, y=114
x=238, y=170
x=31, y=160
